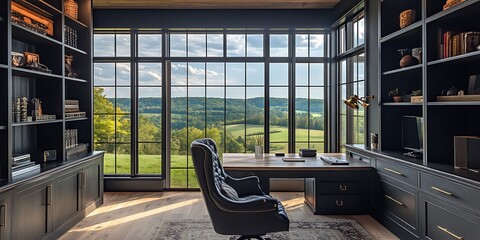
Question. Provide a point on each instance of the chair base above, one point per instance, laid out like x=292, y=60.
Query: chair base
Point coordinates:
x=258, y=237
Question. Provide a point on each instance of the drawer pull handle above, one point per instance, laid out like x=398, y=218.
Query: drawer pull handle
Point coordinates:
x=3, y=209
x=339, y=203
x=343, y=188
x=393, y=171
x=395, y=200
x=450, y=233
x=442, y=191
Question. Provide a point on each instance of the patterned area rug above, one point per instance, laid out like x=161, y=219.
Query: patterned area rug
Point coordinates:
x=305, y=229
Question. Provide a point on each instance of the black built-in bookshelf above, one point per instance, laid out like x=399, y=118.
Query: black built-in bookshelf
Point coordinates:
x=442, y=120
x=52, y=88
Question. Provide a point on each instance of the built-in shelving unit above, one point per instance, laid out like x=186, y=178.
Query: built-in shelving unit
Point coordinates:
x=433, y=75
x=52, y=87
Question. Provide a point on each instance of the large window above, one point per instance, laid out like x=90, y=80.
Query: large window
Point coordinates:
x=226, y=85
x=351, y=79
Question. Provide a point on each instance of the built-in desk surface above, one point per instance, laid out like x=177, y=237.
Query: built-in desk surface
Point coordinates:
x=329, y=189
x=242, y=161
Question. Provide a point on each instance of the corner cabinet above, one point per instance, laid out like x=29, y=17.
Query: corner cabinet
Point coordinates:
x=53, y=201
x=415, y=201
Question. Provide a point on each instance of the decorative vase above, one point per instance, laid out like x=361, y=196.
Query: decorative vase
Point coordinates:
x=397, y=98
x=407, y=59
x=71, y=8
x=258, y=152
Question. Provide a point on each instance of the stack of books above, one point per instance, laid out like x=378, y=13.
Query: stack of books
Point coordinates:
x=72, y=109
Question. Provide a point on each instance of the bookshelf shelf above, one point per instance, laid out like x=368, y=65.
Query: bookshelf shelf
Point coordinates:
x=417, y=67
x=36, y=123
x=458, y=11
x=460, y=58
x=404, y=32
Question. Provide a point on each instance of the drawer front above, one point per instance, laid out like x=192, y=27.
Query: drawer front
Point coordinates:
x=459, y=194
x=400, y=202
x=343, y=188
x=398, y=172
x=443, y=224
x=360, y=157
x=341, y=202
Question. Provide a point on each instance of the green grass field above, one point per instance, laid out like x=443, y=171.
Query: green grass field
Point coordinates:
x=151, y=164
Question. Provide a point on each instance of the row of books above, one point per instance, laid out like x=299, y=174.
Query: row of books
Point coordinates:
x=458, y=43
x=71, y=37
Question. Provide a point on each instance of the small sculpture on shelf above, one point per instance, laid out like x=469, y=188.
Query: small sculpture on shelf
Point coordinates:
x=407, y=58
x=396, y=94
x=68, y=67
x=37, y=108
x=32, y=61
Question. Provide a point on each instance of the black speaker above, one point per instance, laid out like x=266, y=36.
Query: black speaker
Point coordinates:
x=49, y=155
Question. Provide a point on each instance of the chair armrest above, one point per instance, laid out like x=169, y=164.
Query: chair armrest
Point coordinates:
x=255, y=204
x=245, y=186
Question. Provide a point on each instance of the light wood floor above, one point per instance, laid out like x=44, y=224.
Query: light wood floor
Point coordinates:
x=136, y=215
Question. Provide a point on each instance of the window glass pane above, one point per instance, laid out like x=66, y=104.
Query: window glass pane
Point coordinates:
x=123, y=128
x=317, y=45
x=150, y=74
x=104, y=74
x=104, y=127
x=301, y=45
x=196, y=73
x=215, y=45
x=215, y=74
x=279, y=74
x=317, y=115
x=361, y=67
x=123, y=100
x=196, y=45
x=149, y=45
x=104, y=45
x=149, y=158
x=301, y=114
x=108, y=158
x=355, y=34
x=178, y=45
x=235, y=112
x=255, y=74
x=216, y=115
x=343, y=40
x=235, y=45
x=196, y=112
x=301, y=74
x=123, y=45
x=123, y=74
x=278, y=114
x=255, y=116
x=149, y=124
x=123, y=157
x=317, y=75
x=255, y=45
x=179, y=73
x=150, y=101
x=361, y=31
x=279, y=45
x=235, y=73
x=104, y=99
x=343, y=71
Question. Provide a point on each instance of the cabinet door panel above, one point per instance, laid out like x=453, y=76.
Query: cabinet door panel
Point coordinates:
x=32, y=212
x=91, y=184
x=5, y=218
x=66, y=198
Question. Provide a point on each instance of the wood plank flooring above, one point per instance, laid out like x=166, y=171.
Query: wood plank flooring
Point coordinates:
x=135, y=215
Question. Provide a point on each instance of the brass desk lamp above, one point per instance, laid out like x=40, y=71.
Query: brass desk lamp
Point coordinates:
x=354, y=100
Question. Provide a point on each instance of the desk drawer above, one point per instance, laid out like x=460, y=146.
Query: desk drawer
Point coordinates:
x=398, y=172
x=339, y=188
x=341, y=202
x=457, y=193
x=399, y=201
x=445, y=224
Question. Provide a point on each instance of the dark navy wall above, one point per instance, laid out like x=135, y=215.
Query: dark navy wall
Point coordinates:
x=120, y=18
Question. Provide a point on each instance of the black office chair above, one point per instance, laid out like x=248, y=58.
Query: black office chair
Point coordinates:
x=235, y=206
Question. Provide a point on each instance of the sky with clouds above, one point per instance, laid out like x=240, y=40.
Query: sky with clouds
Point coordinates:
x=232, y=75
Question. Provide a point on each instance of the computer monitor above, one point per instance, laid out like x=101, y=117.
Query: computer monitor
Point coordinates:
x=412, y=133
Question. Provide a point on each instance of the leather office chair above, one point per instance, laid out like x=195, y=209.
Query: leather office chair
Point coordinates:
x=235, y=206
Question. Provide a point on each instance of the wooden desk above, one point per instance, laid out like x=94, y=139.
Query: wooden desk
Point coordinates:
x=329, y=189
